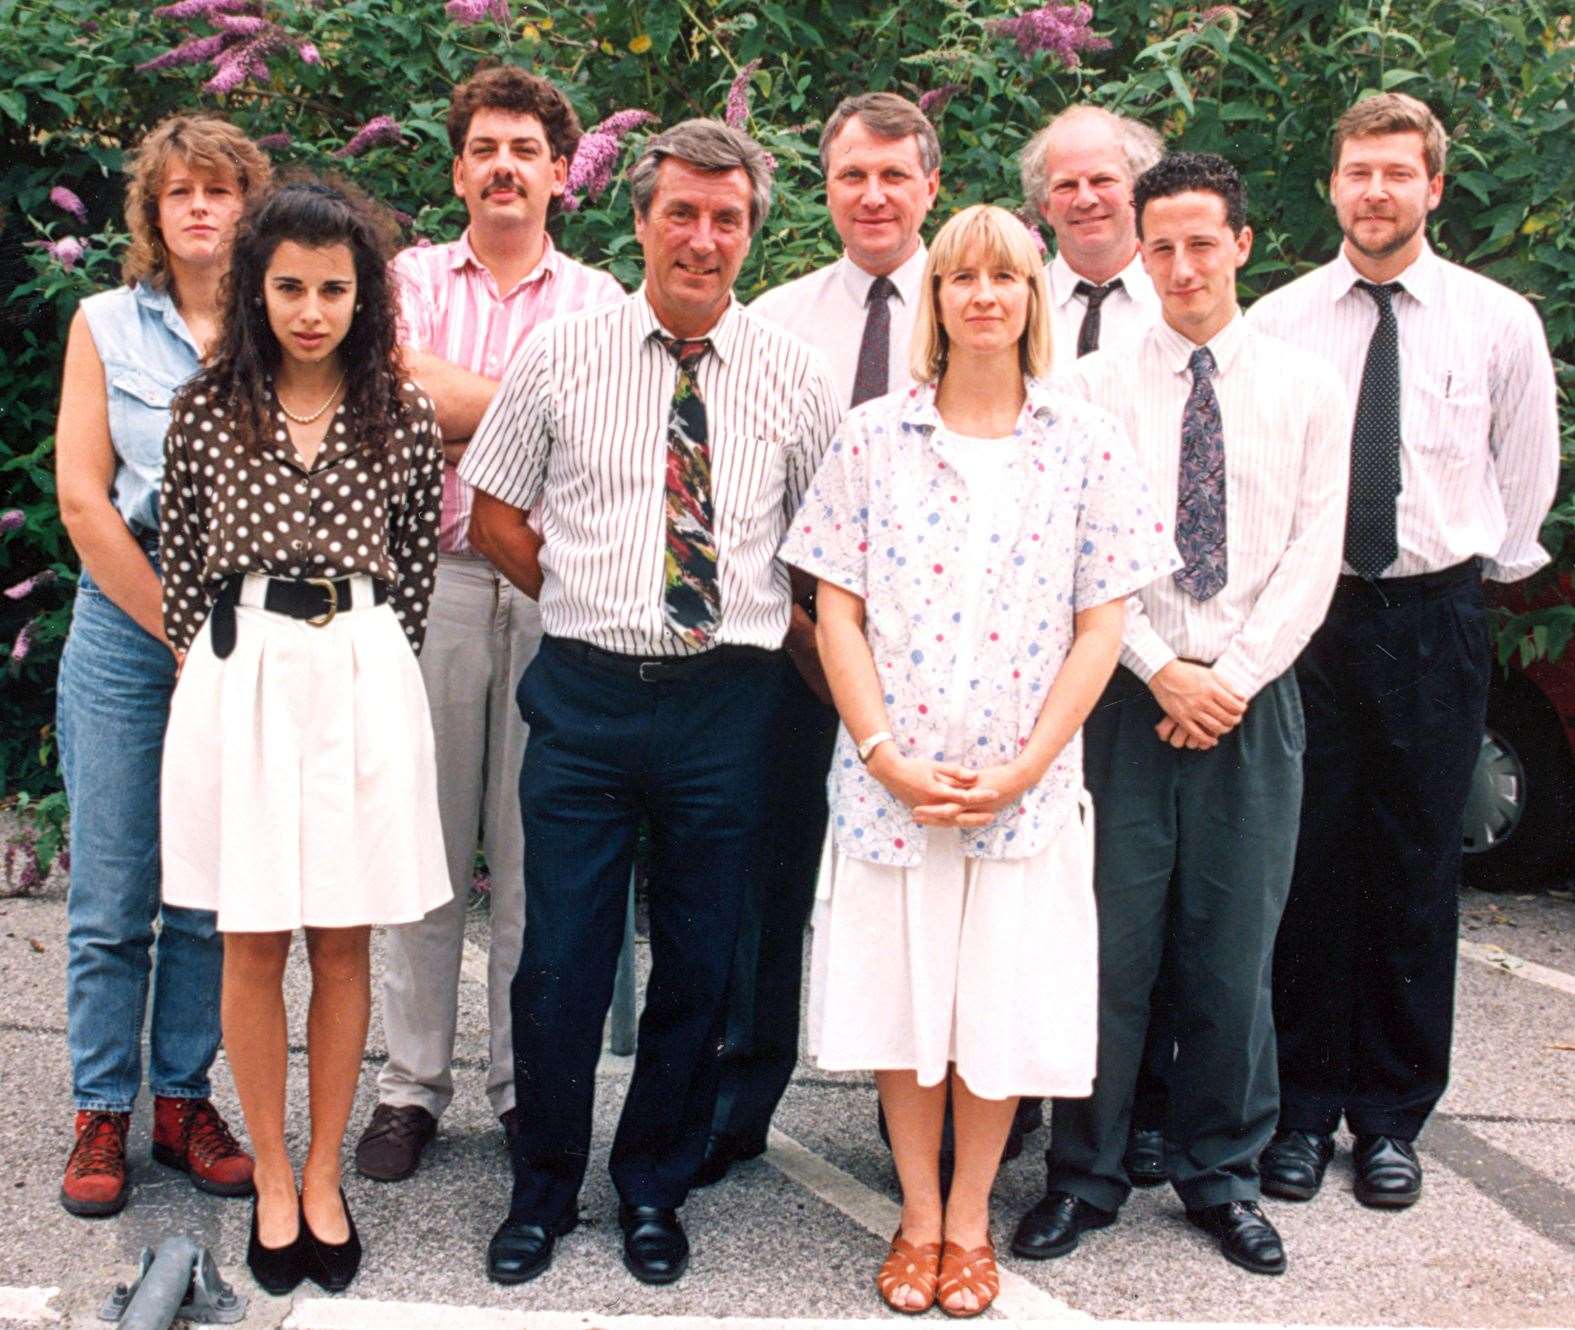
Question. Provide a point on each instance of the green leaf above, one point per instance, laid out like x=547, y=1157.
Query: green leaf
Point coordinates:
x=1178, y=85
x=1393, y=78
x=14, y=105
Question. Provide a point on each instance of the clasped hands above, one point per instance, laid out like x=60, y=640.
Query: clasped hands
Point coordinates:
x=1199, y=709
x=948, y=794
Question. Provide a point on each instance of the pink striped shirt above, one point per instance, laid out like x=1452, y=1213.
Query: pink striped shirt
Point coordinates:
x=451, y=307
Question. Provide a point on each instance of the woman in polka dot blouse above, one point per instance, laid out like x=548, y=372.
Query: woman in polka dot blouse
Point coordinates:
x=302, y=483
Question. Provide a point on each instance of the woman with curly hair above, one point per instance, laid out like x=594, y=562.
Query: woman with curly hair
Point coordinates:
x=129, y=350
x=302, y=483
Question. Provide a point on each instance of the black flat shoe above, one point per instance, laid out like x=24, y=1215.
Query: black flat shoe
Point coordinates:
x=721, y=1153
x=332, y=1265
x=655, y=1250
x=277, y=1270
x=1388, y=1173
x=1293, y=1163
x=1053, y=1227
x=520, y=1250
x=1245, y=1237
x=1144, y=1160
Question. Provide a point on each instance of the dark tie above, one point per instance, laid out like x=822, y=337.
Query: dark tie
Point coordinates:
x=1200, y=493
x=1370, y=540
x=1088, y=334
x=691, y=599
x=870, y=380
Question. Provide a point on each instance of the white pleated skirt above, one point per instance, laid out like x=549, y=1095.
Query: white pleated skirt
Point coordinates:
x=988, y=964
x=298, y=783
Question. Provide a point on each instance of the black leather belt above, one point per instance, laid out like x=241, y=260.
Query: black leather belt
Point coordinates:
x=662, y=669
x=314, y=599
x=1397, y=590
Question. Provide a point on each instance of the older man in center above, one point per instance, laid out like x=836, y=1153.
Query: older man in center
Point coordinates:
x=662, y=443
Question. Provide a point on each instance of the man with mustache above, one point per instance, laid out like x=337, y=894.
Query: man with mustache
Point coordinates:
x=467, y=307
x=1454, y=460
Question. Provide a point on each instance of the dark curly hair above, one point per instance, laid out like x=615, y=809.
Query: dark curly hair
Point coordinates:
x=314, y=212
x=496, y=87
x=1187, y=172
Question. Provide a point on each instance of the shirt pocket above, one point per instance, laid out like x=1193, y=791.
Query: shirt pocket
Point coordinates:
x=1453, y=413
x=748, y=481
x=139, y=414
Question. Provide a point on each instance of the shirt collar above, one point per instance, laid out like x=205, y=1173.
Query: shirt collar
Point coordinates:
x=918, y=410
x=463, y=255
x=1419, y=280
x=1176, y=349
x=906, y=277
x=163, y=304
x=723, y=335
x=1063, y=280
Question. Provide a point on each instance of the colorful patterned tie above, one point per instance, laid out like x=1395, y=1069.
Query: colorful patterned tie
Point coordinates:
x=1371, y=542
x=874, y=369
x=1200, y=493
x=1088, y=334
x=692, y=600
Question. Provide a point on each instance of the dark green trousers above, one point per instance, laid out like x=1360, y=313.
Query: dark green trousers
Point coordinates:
x=1193, y=848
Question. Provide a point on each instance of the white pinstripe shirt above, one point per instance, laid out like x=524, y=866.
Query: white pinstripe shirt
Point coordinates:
x=578, y=432
x=1124, y=317
x=1479, y=436
x=1287, y=467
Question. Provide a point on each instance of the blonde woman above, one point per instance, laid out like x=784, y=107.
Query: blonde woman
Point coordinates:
x=974, y=540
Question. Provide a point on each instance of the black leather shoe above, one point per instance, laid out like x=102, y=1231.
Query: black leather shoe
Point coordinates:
x=655, y=1250
x=1388, y=1173
x=1246, y=1238
x=721, y=1153
x=1053, y=1227
x=277, y=1270
x=1144, y=1160
x=520, y=1250
x=1293, y=1163
x=332, y=1265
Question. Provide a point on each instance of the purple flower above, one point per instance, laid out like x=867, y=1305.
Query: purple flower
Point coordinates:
x=591, y=171
x=477, y=11
x=274, y=142
x=1060, y=30
x=23, y=643
x=205, y=8
x=933, y=102
x=41, y=578
x=13, y=519
x=771, y=163
x=1031, y=224
x=379, y=129
x=198, y=51
x=64, y=859
x=66, y=201
x=309, y=54
x=242, y=25
x=620, y=123
x=67, y=251
x=738, y=96
x=22, y=873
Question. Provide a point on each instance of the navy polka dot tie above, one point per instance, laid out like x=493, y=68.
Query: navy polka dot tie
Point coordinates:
x=1370, y=540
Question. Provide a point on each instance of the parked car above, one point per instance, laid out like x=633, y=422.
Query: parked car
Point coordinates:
x=1520, y=816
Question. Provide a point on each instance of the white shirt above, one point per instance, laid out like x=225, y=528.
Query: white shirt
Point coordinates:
x=1479, y=434
x=1287, y=468
x=578, y=432
x=827, y=309
x=1124, y=317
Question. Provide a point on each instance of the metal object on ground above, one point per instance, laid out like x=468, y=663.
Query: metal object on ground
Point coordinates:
x=179, y=1279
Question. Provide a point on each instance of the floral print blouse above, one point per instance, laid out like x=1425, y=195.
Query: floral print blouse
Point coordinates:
x=225, y=510
x=886, y=519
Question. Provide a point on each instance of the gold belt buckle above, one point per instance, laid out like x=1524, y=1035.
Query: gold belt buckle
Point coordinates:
x=327, y=585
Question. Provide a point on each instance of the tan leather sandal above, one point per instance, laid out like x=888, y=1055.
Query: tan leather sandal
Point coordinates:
x=914, y=1265
x=974, y=1271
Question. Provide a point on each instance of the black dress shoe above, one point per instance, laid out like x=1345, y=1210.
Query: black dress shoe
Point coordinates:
x=1053, y=1227
x=1144, y=1160
x=1293, y=1163
x=655, y=1250
x=721, y=1153
x=277, y=1270
x=1246, y=1238
x=332, y=1265
x=1388, y=1173
x=520, y=1250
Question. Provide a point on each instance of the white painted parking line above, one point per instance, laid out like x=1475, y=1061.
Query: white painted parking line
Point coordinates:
x=30, y=1305
x=1495, y=956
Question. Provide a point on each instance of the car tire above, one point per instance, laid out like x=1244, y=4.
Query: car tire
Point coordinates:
x=1520, y=815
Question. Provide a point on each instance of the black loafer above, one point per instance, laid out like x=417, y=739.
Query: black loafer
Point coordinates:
x=277, y=1270
x=655, y=1250
x=1293, y=1163
x=1388, y=1173
x=332, y=1265
x=1245, y=1237
x=721, y=1153
x=1053, y=1227
x=1144, y=1160
x=520, y=1250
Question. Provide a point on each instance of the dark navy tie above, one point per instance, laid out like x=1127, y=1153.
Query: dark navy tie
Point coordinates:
x=1371, y=542
x=1088, y=334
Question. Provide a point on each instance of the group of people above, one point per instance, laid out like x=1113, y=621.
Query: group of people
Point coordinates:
x=1100, y=671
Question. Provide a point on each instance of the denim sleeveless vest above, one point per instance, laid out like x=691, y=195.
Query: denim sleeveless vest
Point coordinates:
x=147, y=353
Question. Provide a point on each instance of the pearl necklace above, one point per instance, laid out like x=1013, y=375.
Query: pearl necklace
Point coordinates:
x=307, y=420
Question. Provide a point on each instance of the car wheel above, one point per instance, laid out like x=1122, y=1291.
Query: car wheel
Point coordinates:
x=1518, y=827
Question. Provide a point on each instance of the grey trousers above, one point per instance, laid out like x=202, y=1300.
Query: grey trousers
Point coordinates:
x=1195, y=847
x=481, y=634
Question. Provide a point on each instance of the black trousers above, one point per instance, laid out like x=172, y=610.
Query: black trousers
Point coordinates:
x=1395, y=689
x=760, y=1047
x=605, y=752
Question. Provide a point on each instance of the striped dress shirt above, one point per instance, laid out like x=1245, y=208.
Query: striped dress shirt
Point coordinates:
x=1286, y=424
x=578, y=433
x=1124, y=317
x=450, y=305
x=1479, y=434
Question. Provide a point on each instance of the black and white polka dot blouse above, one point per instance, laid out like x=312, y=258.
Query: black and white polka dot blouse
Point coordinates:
x=225, y=510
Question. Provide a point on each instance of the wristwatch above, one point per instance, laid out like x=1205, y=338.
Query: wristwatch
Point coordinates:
x=868, y=747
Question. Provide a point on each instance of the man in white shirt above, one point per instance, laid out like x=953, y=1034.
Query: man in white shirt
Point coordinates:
x=1077, y=174
x=662, y=442
x=1454, y=462
x=1193, y=756
x=881, y=159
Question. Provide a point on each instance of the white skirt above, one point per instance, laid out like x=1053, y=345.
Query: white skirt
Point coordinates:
x=988, y=964
x=298, y=783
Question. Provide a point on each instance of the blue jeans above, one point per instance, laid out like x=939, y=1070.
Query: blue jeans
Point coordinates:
x=113, y=704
